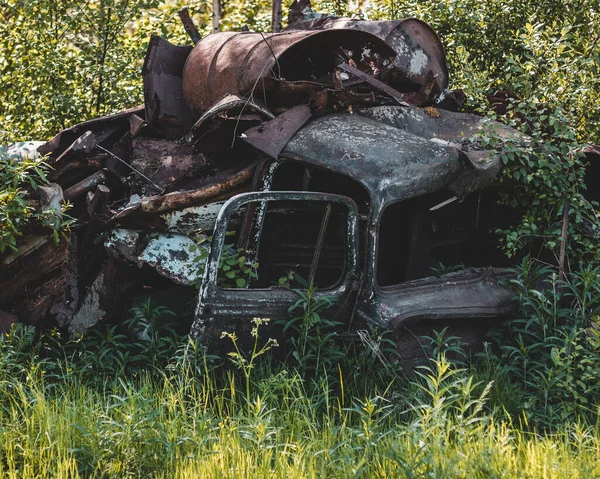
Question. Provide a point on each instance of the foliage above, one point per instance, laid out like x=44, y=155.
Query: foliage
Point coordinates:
x=63, y=61
x=247, y=364
x=16, y=210
x=551, y=353
x=545, y=171
x=312, y=338
x=439, y=345
x=235, y=269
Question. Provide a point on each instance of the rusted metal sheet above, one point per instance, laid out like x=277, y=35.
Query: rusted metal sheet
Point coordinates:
x=374, y=82
x=84, y=144
x=188, y=24
x=249, y=63
x=230, y=107
x=102, y=128
x=216, y=134
x=163, y=87
x=418, y=48
x=272, y=136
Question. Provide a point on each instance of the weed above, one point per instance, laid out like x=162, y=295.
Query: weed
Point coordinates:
x=246, y=364
x=552, y=351
x=185, y=421
x=235, y=270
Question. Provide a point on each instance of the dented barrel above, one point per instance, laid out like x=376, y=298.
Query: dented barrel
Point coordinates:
x=418, y=48
x=257, y=64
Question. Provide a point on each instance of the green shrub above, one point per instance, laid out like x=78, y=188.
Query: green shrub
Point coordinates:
x=552, y=351
x=17, y=176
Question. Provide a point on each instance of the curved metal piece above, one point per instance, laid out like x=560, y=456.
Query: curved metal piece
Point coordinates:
x=226, y=107
x=254, y=64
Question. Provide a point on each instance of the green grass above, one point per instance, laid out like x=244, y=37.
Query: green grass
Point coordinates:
x=109, y=405
x=185, y=423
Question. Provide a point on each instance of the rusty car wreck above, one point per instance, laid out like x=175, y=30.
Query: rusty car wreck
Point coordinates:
x=366, y=204
x=329, y=152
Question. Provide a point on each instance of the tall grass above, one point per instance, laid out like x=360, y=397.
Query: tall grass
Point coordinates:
x=112, y=405
x=194, y=421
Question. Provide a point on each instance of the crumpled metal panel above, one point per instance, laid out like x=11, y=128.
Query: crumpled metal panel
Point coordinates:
x=249, y=63
x=271, y=137
x=21, y=150
x=174, y=256
x=101, y=128
x=394, y=162
x=418, y=48
x=230, y=107
x=457, y=128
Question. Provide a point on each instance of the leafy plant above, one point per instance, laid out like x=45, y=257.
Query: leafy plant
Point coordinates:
x=439, y=345
x=552, y=350
x=16, y=210
x=451, y=395
x=442, y=269
x=313, y=339
x=546, y=172
x=235, y=270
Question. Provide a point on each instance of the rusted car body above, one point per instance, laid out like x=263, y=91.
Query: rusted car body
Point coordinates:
x=366, y=204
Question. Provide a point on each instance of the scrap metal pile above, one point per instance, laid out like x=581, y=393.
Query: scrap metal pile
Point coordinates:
x=142, y=181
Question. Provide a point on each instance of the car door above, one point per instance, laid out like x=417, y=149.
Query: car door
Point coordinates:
x=299, y=235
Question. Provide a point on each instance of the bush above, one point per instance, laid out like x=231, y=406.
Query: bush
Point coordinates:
x=552, y=351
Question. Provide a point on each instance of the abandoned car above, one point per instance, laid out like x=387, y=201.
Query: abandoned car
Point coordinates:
x=371, y=206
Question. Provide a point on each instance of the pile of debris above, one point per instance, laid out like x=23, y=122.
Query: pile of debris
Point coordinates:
x=142, y=181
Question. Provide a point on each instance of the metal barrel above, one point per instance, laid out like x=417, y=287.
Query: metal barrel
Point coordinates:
x=256, y=64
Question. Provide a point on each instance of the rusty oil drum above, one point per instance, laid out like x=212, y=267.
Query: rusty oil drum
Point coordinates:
x=255, y=64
